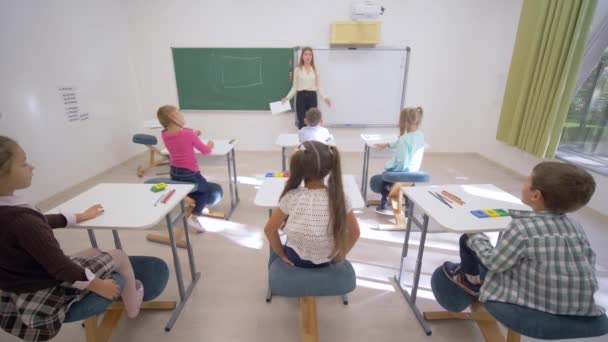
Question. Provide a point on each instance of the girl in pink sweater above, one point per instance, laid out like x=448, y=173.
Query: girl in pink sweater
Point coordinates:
x=180, y=142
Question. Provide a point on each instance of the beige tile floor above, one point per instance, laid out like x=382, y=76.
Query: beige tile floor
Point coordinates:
x=228, y=304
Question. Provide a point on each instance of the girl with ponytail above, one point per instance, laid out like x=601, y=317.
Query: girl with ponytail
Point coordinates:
x=319, y=223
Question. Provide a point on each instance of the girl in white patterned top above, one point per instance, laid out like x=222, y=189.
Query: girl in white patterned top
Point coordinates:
x=317, y=219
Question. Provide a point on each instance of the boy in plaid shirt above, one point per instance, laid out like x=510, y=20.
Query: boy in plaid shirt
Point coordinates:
x=543, y=260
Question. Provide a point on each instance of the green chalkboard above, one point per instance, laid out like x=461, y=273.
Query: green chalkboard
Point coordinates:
x=232, y=78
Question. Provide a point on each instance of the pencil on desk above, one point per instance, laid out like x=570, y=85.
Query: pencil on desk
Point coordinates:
x=168, y=196
x=440, y=198
x=158, y=200
x=453, y=197
x=444, y=197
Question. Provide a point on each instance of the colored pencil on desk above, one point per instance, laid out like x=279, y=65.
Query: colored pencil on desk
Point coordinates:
x=168, y=196
x=453, y=197
x=158, y=200
x=440, y=198
x=444, y=197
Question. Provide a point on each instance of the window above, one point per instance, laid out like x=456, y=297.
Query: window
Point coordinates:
x=584, y=139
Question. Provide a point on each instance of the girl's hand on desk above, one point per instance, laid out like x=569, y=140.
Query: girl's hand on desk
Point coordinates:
x=90, y=213
x=107, y=288
x=210, y=143
x=381, y=145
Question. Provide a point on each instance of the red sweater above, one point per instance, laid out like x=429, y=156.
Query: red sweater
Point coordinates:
x=30, y=256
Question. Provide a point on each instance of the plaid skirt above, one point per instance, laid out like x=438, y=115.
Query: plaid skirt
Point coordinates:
x=37, y=316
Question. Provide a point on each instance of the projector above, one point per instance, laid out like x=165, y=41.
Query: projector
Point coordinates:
x=368, y=9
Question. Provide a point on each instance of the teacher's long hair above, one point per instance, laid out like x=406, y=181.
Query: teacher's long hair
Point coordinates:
x=314, y=161
x=312, y=62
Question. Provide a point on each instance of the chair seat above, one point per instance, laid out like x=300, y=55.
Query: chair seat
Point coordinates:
x=92, y=304
x=546, y=326
x=290, y=281
x=145, y=139
x=407, y=177
x=151, y=271
x=526, y=321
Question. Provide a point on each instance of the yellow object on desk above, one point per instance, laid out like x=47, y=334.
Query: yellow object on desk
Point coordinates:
x=158, y=187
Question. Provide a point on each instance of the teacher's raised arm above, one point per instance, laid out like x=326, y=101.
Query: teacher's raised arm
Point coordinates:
x=306, y=85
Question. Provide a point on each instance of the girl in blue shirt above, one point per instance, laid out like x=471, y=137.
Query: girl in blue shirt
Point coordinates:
x=409, y=149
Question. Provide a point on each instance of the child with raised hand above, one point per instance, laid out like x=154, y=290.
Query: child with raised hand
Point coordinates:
x=317, y=219
x=38, y=282
x=181, y=142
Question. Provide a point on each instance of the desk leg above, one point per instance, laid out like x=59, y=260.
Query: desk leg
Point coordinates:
x=117, y=242
x=232, y=182
x=236, y=183
x=184, y=294
x=411, y=298
x=284, y=168
x=92, y=238
x=188, y=243
x=364, y=173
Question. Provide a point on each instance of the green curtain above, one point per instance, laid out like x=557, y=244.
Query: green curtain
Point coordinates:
x=549, y=47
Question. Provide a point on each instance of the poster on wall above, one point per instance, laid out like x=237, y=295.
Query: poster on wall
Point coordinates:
x=73, y=111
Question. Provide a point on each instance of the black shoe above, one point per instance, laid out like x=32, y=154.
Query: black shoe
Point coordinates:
x=383, y=208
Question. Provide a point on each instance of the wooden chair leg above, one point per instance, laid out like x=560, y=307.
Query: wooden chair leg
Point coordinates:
x=90, y=329
x=103, y=331
x=513, y=336
x=310, y=328
x=141, y=170
x=489, y=329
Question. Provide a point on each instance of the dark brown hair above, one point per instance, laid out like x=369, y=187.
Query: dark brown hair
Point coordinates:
x=313, y=161
x=409, y=117
x=8, y=147
x=565, y=187
x=313, y=116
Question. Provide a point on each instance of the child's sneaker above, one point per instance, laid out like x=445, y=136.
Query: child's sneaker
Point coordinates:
x=193, y=222
x=456, y=275
x=383, y=208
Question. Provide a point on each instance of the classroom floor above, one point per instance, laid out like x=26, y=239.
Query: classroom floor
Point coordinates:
x=228, y=303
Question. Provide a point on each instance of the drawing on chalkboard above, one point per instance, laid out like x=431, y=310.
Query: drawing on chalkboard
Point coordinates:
x=241, y=72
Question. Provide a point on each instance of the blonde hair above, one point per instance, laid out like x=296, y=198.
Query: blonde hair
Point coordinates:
x=164, y=115
x=408, y=118
x=313, y=116
x=8, y=148
x=314, y=161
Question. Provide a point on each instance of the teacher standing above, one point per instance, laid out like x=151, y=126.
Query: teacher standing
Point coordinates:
x=305, y=86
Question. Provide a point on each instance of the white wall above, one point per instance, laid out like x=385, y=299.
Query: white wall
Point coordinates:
x=522, y=162
x=47, y=44
x=460, y=54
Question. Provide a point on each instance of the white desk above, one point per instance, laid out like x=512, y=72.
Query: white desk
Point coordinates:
x=224, y=147
x=287, y=140
x=370, y=140
x=457, y=219
x=131, y=206
x=270, y=190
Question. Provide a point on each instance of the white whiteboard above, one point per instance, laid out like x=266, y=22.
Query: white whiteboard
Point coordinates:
x=365, y=86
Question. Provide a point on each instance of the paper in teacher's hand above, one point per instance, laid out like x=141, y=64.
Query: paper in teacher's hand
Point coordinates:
x=279, y=107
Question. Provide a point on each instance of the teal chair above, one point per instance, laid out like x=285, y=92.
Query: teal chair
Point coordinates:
x=307, y=283
x=150, y=142
x=518, y=319
x=151, y=271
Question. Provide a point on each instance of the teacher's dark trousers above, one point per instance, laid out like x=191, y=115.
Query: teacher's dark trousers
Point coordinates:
x=305, y=99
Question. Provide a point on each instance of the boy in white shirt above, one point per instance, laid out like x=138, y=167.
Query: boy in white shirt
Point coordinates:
x=313, y=129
